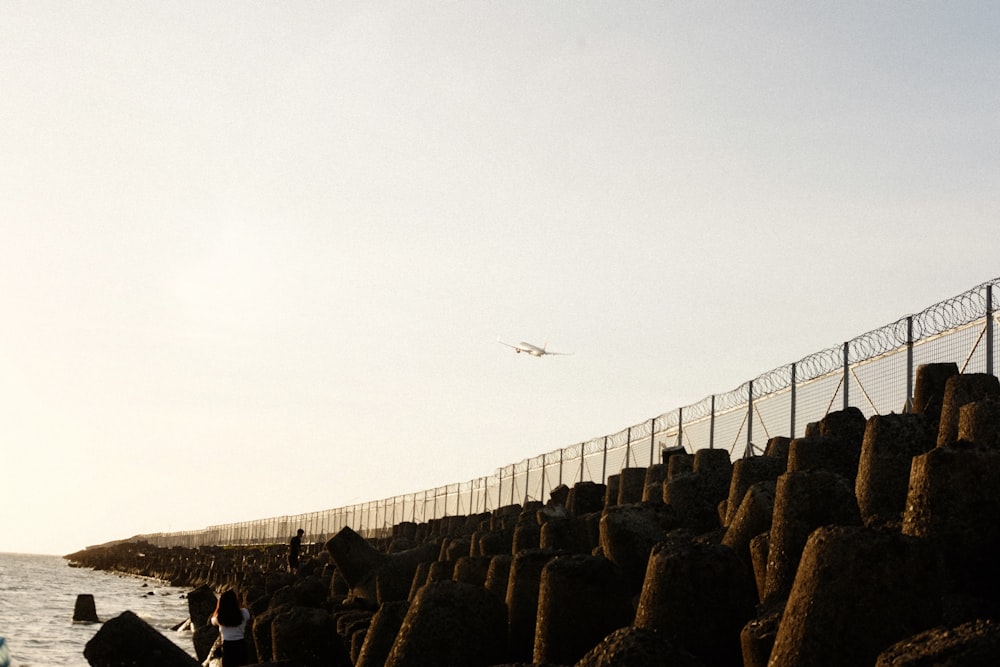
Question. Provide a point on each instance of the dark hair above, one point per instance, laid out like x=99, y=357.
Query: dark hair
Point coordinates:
x=228, y=610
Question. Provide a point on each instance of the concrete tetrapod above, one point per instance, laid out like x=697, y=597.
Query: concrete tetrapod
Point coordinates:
x=854, y=595
x=451, y=623
x=126, y=639
x=700, y=595
x=581, y=600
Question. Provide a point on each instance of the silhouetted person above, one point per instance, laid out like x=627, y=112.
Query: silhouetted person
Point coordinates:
x=293, y=551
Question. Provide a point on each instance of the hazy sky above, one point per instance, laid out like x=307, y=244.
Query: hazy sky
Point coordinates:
x=255, y=256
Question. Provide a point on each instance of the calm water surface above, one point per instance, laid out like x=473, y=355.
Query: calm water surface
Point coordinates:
x=38, y=594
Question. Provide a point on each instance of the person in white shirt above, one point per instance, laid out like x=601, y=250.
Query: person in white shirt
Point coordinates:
x=232, y=620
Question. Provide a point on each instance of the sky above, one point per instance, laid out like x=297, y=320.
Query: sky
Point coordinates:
x=255, y=256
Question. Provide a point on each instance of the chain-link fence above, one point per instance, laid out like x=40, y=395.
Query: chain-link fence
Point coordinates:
x=873, y=372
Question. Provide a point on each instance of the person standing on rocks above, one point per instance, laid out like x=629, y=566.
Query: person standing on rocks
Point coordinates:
x=293, y=551
x=232, y=620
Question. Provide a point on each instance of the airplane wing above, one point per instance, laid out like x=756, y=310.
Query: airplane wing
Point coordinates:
x=515, y=347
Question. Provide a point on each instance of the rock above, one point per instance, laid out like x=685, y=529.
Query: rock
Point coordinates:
x=128, y=640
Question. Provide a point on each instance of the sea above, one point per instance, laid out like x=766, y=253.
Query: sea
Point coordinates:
x=38, y=595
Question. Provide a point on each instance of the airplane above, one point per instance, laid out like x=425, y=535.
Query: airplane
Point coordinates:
x=533, y=350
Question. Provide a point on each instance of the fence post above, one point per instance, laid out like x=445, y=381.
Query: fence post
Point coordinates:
x=791, y=430
x=561, y=464
x=989, y=329
x=749, y=448
x=604, y=463
x=847, y=376
x=541, y=492
x=652, y=440
x=909, y=359
x=583, y=458
x=513, y=476
x=711, y=426
x=628, y=447
x=680, y=427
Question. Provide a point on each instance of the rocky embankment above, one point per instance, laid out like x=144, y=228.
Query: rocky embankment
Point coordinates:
x=864, y=543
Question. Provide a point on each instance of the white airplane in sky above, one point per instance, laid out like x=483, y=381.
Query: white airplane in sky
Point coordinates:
x=533, y=350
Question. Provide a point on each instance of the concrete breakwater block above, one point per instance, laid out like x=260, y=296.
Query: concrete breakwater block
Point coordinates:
x=581, y=600
x=753, y=517
x=700, y=594
x=757, y=639
x=472, y=569
x=493, y=541
x=695, y=496
x=201, y=605
x=128, y=640
x=631, y=485
x=375, y=577
x=746, y=473
x=972, y=644
x=522, y=601
x=637, y=647
x=612, y=489
x=585, y=498
x=451, y=623
x=960, y=390
x=629, y=533
x=954, y=502
x=652, y=487
x=85, y=610
x=565, y=534
x=928, y=389
x=308, y=637
x=803, y=501
x=498, y=575
x=855, y=595
x=887, y=451
x=979, y=423
x=381, y=635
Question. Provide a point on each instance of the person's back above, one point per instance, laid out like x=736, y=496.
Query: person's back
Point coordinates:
x=294, y=545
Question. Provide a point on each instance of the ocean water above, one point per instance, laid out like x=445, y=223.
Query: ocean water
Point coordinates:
x=38, y=595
